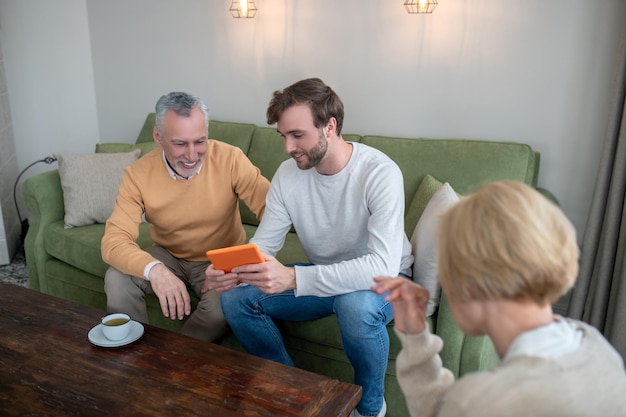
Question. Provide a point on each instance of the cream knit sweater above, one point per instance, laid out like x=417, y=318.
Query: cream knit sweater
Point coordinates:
x=588, y=382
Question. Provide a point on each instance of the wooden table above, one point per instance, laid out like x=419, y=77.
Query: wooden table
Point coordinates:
x=48, y=367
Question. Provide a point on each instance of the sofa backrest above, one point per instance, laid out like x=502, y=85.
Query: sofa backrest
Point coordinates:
x=465, y=164
x=237, y=134
x=145, y=134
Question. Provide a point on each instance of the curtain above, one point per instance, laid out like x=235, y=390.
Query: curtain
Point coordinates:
x=599, y=296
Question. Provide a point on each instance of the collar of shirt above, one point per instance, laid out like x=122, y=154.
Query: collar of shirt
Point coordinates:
x=551, y=341
x=174, y=174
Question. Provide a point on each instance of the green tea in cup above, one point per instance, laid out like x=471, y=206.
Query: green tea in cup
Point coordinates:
x=116, y=326
x=116, y=322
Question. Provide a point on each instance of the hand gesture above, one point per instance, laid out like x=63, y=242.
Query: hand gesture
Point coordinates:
x=409, y=302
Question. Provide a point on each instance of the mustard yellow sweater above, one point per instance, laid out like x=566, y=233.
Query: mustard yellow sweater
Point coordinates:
x=186, y=217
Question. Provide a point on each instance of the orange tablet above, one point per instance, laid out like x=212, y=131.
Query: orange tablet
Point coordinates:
x=226, y=259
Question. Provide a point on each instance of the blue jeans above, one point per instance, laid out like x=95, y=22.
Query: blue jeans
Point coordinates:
x=362, y=318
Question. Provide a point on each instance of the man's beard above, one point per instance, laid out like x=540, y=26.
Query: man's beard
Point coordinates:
x=315, y=155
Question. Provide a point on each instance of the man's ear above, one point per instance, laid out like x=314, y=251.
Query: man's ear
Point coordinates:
x=331, y=126
x=155, y=136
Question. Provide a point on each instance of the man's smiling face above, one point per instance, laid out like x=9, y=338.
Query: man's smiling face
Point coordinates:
x=306, y=144
x=184, y=141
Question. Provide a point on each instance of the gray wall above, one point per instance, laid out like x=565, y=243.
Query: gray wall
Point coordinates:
x=539, y=72
x=10, y=228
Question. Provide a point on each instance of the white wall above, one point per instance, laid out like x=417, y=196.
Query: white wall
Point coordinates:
x=536, y=71
x=49, y=74
x=49, y=78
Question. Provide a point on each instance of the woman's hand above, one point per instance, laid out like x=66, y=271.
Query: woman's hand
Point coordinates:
x=409, y=302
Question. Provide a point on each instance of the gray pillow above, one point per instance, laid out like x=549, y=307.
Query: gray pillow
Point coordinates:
x=90, y=183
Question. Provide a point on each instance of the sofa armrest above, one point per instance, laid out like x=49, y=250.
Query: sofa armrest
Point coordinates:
x=43, y=197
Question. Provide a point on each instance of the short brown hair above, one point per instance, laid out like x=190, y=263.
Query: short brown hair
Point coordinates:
x=321, y=99
x=507, y=241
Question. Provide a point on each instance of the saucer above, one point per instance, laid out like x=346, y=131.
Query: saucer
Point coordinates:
x=97, y=337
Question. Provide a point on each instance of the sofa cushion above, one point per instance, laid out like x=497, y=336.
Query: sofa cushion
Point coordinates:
x=351, y=137
x=465, y=164
x=439, y=198
x=236, y=134
x=145, y=134
x=427, y=188
x=90, y=183
x=80, y=246
x=266, y=152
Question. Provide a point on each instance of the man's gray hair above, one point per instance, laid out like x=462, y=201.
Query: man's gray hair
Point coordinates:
x=181, y=103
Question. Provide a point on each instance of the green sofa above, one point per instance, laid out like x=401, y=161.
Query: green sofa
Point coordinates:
x=67, y=262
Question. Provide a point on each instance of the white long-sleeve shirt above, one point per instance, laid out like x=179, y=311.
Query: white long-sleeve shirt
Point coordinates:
x=350, y=224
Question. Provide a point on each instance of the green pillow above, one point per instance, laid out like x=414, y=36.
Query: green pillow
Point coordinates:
x=427, y=188
x=114, y=147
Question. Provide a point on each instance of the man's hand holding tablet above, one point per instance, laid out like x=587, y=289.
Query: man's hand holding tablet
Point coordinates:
x=226, y=259
x=272, y=277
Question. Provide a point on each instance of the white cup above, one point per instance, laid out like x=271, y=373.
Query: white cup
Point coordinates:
x=116, y=326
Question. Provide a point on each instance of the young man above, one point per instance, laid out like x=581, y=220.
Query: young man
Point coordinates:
x=346, y=202
x=506, y=254
x=188, y=189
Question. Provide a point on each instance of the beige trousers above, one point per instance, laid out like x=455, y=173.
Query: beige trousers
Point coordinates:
x=126, y=294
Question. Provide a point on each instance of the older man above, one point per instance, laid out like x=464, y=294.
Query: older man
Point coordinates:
x=188, y=189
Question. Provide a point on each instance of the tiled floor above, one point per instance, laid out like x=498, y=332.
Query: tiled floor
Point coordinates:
x=15, y=272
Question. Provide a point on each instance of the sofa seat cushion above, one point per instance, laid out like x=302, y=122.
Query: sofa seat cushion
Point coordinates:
x=80, y=246
x=73, y=284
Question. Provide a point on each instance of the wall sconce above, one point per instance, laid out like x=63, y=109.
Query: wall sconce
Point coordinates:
x=420, y=6
x=244, y=9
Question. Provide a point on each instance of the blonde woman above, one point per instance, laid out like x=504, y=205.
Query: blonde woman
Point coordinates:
x=506, y=254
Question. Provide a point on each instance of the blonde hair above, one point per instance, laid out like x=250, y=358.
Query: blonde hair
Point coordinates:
x=507, y=241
